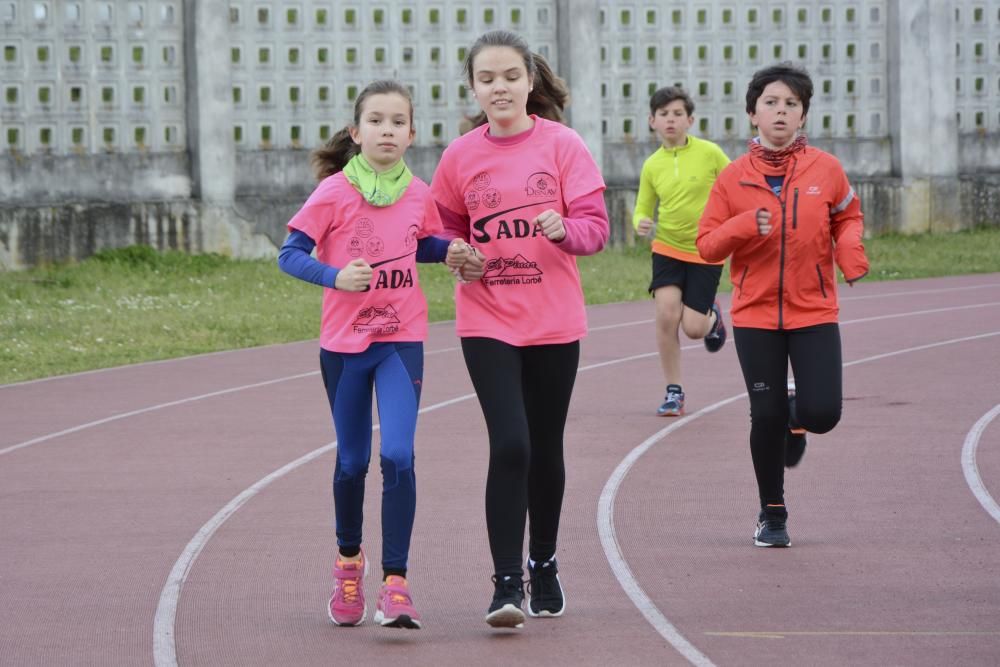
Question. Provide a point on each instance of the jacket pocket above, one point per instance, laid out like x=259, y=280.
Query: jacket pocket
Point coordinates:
x=743, y=277
x=819, y=274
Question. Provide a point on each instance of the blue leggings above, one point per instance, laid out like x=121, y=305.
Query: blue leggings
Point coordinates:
x=395, y=370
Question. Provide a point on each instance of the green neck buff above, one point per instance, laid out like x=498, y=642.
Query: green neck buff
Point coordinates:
x=378, y=189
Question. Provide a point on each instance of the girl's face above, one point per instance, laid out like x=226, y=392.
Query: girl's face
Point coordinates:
x=501, y=85
x=384, y=131
x=778, y=115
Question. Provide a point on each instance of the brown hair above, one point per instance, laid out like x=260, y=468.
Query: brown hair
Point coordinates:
x=665, y=96
x=549, y=94
x=339, y=150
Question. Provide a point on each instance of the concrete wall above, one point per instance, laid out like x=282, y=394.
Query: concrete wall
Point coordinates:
x=187, y=123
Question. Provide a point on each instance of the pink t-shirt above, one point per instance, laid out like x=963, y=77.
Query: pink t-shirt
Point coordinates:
x=531, y=292
x=346, y=227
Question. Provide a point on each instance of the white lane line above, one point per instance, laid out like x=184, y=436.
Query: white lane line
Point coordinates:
x=151, y=408
x=55, y=378
x=606, y=520
x=161, y=406
x=164, y=644
x=170, y=404
x=971, y=469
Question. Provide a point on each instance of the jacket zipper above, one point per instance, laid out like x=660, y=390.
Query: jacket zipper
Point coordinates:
x=819, y=272
x=743, y=276
x=795, y=209
x=781, y=264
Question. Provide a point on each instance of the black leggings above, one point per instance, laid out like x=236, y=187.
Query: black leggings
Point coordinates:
x=524, y=393
x=816, y=365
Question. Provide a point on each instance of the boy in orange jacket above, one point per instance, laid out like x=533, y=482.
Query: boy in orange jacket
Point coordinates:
x=785, y=213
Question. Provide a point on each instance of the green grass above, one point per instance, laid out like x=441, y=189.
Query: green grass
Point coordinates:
x=130, y=305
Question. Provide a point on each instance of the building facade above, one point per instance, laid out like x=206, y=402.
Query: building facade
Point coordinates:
x=187, y=123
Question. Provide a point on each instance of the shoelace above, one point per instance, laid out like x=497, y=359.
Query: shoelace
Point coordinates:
x=396, y=595
x=349, y=590
x=674, y=396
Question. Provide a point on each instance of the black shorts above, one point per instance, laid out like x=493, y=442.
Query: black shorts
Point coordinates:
x=698, y=282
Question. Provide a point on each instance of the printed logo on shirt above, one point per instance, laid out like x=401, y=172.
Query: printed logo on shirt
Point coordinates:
x=491, y=198
x=481, y=181
x=376, y=320
x=410, y=241
x=355, y=246
x=472, y=200
x=510, y=229
x=812, y=190
x=364, y=228
x=375, y=246
x=540, y=184
x=516, y=270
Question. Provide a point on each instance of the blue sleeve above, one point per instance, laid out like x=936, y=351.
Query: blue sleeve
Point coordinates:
x=432, y=249
x=295, y=258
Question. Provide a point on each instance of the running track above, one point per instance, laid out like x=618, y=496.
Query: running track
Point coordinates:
x=161, y=513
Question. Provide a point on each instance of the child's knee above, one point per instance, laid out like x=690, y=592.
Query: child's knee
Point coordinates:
x=817, y=419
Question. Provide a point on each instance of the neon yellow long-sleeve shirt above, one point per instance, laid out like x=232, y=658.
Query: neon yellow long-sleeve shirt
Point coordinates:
x=680, y=179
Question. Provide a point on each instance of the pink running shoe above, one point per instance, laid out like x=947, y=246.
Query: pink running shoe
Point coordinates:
x=347, y=602
x=395, y=606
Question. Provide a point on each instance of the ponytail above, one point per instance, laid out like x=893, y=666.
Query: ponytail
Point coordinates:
x=334, y=155
x=549, y=94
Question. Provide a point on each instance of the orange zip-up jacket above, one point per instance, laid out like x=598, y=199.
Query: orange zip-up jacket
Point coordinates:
x=785, y=280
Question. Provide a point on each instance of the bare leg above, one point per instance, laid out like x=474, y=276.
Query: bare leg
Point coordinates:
x=669, y=311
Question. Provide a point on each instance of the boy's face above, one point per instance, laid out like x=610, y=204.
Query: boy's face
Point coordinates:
x=671, y=123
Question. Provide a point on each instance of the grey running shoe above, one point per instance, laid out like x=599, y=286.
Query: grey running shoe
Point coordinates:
x=771, y=530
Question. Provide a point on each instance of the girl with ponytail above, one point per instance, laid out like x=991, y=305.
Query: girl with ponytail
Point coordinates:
x=370, y=221
x=523, y=188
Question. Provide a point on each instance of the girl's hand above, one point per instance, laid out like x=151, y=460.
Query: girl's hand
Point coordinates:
x=474, y=267
x=763, y=221
x=551, y=224
x=354, y=277
x=458, y=252
x=644, y=226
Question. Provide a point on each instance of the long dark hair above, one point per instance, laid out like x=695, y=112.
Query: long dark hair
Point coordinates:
x=549, y=94
x=339, y=150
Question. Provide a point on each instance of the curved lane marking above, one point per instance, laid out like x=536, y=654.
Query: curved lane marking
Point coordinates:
x=971, y=470
x=164, y=644
x=606, y=521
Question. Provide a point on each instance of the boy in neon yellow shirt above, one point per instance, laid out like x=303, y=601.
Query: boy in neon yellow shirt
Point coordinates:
x=679, y=175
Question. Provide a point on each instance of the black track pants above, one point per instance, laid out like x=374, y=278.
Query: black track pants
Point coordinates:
x=524, y=393
x=764, y=354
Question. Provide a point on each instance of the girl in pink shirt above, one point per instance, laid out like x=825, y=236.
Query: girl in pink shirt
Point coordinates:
x=370, y=220
x=524, y=191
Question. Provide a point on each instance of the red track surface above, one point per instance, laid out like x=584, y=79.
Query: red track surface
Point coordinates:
x=161, y=512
